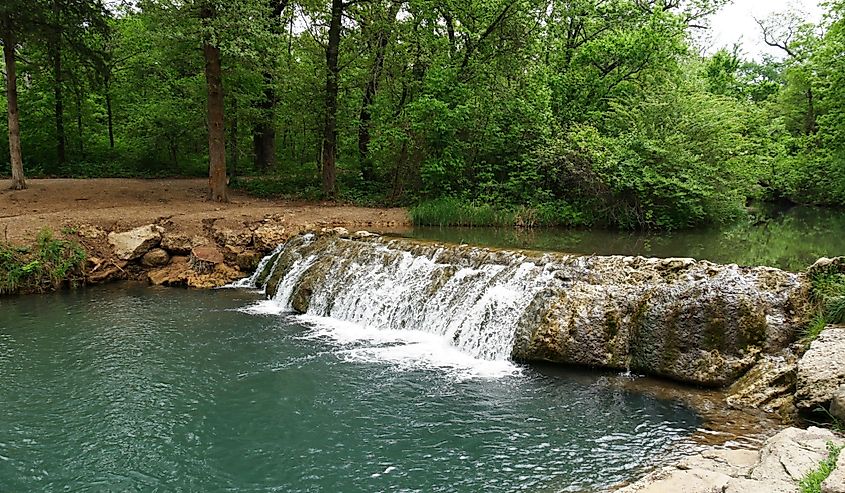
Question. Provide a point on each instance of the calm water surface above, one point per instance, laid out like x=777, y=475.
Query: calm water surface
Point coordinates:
x=129, y=388
x=790, y=239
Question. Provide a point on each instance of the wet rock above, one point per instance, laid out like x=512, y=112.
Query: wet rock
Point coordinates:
x=134, y=243
x=176, y=244
x=783, y=460
x=837, y=404
x=835, y=483
x=821, y=371
x=769, y=385
x=365, y=234
x=180, y=273
x=266, y=238
x=155, y=258
x=174, y=274
x=247, y=260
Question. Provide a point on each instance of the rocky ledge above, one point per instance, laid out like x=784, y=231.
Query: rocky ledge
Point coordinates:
x=777, y=467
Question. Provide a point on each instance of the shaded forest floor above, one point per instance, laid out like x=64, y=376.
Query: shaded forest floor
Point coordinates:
x=116, y=204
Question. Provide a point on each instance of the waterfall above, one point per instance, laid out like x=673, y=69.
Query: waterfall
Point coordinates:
x=690, y=320
x=476, y=308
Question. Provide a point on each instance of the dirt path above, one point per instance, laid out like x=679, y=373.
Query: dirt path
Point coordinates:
x=115, y=204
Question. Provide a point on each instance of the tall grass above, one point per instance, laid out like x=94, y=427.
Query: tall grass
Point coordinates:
x=43, y=266
x=449, y=211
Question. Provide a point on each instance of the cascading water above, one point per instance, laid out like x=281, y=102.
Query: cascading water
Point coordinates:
x=476, y=308
x=685, y=319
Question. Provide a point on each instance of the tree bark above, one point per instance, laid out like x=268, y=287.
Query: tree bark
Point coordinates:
x=264, y=133
x=329, y=151
x=216, y=131
x=18, y=179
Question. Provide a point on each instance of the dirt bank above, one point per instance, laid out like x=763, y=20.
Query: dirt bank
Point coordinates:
x=116, y=204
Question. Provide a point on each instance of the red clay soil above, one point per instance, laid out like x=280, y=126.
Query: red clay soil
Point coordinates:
x=116, y=204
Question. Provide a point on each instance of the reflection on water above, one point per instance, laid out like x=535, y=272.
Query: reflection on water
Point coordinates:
x=789, y=239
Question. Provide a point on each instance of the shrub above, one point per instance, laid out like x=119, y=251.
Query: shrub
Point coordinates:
x=40, y=267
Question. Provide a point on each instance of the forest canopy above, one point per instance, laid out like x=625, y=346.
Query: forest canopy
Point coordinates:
x=533, y=112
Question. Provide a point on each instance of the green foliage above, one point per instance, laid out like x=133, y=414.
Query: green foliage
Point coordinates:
x=812, y=481
x=535, y=113
x=827, y=292
x=41, y=267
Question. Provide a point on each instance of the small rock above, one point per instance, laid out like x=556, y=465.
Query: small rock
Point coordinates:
x=835, y=483
x=90, y=232
x=364, y=234
x=134, y=243
x=837, y=404
x=821, y=371
x=176, y=244
x=203, y=259
x=155, y=258
x=266, y=238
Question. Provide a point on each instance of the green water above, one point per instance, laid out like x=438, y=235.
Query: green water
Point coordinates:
x=789, y=239
x=130, y=388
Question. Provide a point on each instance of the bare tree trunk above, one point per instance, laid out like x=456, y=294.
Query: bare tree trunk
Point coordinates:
x=329, y=150
x=216, y=132
x=109, y=114
x=264, y=133
x=18, y=179
x=233, y=137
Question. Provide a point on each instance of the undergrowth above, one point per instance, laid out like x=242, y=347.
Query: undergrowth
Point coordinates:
x=43, y=266
x=827, y=293
x=449, y=211
x=812, y=481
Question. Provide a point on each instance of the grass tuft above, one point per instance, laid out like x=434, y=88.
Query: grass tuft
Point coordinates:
x=812, y=481
x=43, y=266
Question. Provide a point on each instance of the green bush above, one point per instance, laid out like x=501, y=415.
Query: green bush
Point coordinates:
x=40, y=267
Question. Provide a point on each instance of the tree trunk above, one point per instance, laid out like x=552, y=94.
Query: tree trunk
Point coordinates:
x=55, y=49
x=233, y=138
x=364, y=160
x=216, y=132
x=329, y=150
x=109, y=114
x=18, y=179
x=264, y=133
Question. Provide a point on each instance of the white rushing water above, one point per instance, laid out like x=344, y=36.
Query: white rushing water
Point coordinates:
x=411, y=307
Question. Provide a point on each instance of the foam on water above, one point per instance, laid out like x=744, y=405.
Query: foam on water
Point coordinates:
x=403, y=349
x=383, y=304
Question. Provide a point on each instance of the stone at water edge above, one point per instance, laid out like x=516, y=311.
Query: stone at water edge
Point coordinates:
x=784, y=459
x=769, y=385
x=835, y=483
x=266, y=238
x=155, y=258
x=176, y=244
x=837, y=404
x=133, y=244
x=821, y=371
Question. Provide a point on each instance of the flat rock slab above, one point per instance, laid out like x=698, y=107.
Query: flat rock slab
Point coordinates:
x=133, y=244
x=821, y=371
x=784, y=459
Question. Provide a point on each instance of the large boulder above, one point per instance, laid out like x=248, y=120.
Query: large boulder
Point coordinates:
x=133, y=244
x=821, y=371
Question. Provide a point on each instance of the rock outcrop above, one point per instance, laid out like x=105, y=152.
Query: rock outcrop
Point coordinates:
x=821, y=371
x=769, y=385
x=835, y=483
x=777, y=468
x=837, y=404
x=133, y=244
x=693, y=321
